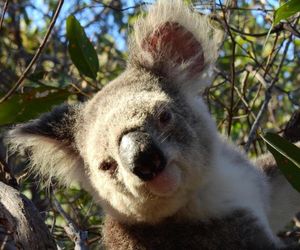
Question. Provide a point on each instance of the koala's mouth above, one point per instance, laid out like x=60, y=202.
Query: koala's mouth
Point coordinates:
x=166, y=182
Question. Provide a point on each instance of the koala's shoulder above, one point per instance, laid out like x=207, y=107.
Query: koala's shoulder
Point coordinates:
x=240, y=230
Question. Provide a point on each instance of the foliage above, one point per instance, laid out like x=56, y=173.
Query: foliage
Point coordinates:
x=287, y=157
x=23, y=107
x=81, y=50
x=286, y=10
x=257, y=79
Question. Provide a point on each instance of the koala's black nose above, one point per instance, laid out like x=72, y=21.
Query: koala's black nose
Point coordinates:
x=140, y=154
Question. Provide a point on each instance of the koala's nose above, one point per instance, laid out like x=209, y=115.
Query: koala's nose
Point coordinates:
x=140, y=154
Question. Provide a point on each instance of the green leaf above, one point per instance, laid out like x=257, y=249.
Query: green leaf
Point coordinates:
x=23, y=107
x=286, y=10
x=81, y=50
x=287, y=157
x=26, y=17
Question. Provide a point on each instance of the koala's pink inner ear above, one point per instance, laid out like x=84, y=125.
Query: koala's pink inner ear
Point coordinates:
x=172, y=43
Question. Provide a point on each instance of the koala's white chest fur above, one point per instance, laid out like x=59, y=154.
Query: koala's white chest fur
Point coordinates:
x=233, y=185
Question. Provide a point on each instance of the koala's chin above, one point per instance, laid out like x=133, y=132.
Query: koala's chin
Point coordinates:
x=167, y=182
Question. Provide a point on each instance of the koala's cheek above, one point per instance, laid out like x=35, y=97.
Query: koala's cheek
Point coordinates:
x=167, y=182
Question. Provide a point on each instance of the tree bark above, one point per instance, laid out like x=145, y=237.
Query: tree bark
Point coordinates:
x=21, y=226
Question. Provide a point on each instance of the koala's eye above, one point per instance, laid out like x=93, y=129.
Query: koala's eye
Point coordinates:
x=165, y=117
x=108, y=165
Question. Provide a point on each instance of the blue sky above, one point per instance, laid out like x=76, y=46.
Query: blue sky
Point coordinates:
x=37, y=14
x=85, y=16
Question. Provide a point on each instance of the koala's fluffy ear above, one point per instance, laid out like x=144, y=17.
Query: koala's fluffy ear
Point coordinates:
x=174, y=42
x=50, y=144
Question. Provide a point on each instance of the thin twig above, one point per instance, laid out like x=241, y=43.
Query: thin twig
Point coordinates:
x=232, y=72
x=276, y=29
x=246, y=104
x=289, y=27
x=80, y=91
x=3, y=13
x=95, y=239
x=79, y=237
x=268, y=96
x=232, y=76
x=36, y=56
x=110, y=6
x=245, y=9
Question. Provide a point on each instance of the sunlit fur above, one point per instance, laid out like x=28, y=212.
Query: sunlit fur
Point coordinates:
x=203, y=31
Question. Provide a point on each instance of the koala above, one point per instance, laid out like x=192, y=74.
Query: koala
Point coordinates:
x=148, y=151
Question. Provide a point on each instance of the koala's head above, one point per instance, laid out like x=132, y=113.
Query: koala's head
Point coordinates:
x=142, y=145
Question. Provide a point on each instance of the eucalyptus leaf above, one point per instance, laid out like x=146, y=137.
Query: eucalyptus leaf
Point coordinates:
x=23, y=107
x=286, y=10
x=81, y=50
x=287, y=157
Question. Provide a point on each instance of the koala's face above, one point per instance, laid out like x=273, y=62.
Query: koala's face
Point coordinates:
x=144, y=144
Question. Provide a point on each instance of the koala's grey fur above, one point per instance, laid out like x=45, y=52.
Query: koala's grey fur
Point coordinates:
x=209, y=196
x=228, y=233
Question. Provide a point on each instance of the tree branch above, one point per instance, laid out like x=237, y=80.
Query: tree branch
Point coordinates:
x=36, y=56
x=268, y=96
x=110, y=6
x=232, y=71
x=3, y=13
x=79, y=237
